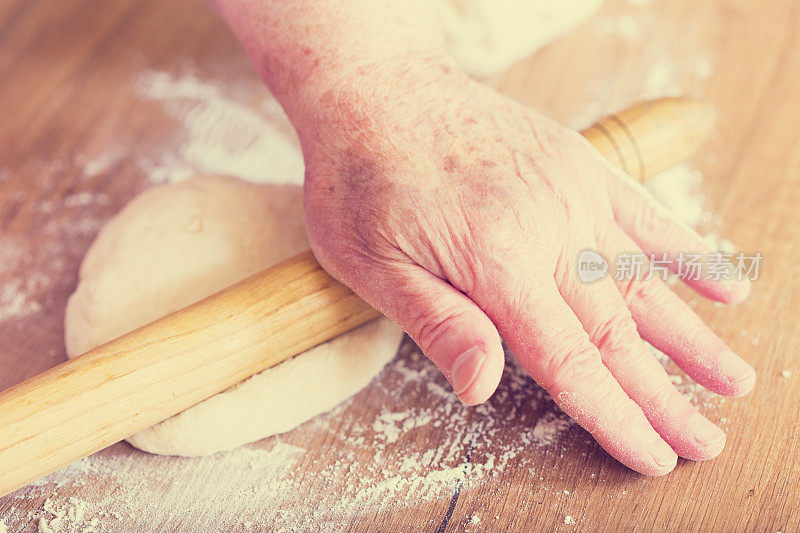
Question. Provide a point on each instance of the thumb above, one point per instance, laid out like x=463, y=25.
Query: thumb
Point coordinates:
x=451, y=329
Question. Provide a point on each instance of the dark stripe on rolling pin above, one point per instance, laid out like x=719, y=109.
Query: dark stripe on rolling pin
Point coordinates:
x=629, y=133
x=613, y=142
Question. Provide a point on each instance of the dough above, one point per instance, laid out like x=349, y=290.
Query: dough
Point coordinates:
x=488, y=36
x=176, y=244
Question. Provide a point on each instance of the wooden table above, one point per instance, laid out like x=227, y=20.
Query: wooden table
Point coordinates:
x=77, y=142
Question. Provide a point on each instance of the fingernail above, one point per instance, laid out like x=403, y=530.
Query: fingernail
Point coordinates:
x=735, y=368
x=466, y=369
x=662, y=453
x=704, y=431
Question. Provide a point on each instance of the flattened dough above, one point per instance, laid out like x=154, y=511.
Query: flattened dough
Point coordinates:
x=176, y=244
x=488, y=36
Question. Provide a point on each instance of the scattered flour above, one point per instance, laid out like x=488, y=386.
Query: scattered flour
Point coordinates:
x=19, y=287
x=672, y=61
x=83, y=199
x=678, y=189
x=374, y=447
x=14, y=299
x=389, y=426
x=625, y=27
x=374, y=460
x=786, y=373
x=35, y=268
x=100, y=163
x=222, y=135
x=66, y=516
x=660, y=81
x=549, y=427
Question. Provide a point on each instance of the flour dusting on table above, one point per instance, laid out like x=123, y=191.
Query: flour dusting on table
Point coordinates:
x=379, y=454
x=18, y=286
x=377, y=448
x=223, y=135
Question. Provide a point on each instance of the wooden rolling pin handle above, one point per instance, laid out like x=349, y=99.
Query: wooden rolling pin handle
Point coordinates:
x=159, y=370
x=651, y=136
x=150, y=374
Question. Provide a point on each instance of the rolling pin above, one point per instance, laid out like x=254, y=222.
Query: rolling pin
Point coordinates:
x=146, y=376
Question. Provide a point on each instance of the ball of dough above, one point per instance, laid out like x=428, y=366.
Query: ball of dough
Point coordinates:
x=488, y=36
x=176, y=244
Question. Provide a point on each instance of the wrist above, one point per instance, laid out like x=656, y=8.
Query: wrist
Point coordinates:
x=388, y=89
x=310, y=52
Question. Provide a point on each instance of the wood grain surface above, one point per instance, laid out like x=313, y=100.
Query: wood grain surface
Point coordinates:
x=68, y=100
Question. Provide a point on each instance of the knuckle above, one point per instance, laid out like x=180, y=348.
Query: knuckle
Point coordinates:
x=431, y=331
x=615, y=333
x=628, y=414
x=642, y=290
x=651, y=220
x=465, y=272
x=580, y=363
x=645, y=217
x=690, y=329
x=659, y=396
x=515, y=302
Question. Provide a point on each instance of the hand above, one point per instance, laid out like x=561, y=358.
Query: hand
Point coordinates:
x=460, y=214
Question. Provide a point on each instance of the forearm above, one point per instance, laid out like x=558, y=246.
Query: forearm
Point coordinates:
x=311, y=52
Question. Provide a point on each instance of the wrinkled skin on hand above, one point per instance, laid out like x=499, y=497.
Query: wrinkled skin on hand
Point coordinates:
x=460, y=214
